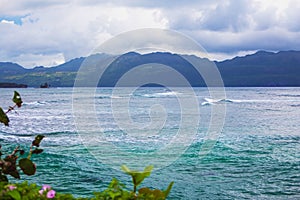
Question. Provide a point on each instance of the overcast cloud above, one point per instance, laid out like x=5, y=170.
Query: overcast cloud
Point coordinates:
x=48, y=32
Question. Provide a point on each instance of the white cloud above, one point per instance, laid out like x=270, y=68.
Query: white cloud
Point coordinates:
x=73, y=29
x=33, y=60
x=3, y=21
x=273, y=39
x=229, y=27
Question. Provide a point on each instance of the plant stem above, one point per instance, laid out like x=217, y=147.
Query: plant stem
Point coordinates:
x=10, y=108
x=134, y=189
x=30, y=152
x=15, y=151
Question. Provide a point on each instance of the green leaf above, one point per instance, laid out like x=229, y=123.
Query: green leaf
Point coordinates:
x=158, y=194
x=15, y=174
x=27, y=166
x=168, y=190
x=17, y=99
x=148, y=169
x=146, y=193
x=144, y=190
x=126, y=169
x=14, y=194
x=138, y=177
x=37, y=151
x=3, y=117
x=3, y=178
x=36, y=142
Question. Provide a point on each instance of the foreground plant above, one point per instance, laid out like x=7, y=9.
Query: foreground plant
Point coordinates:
x=117, y=190
x=13, y=163
x=47, y=191
x=145, y=193
x=9, y=164
x=18, y=103
x=27, y=191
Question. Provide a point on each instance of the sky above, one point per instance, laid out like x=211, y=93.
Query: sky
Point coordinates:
x=51, y=32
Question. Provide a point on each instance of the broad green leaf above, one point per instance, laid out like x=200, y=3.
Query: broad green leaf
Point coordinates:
x=3, y=117
x=17, y=99
x=14, y=194
x=144, y=190
x=146, y=193
x=27, y=166
x=36, y=142
x=158, y=194
x=138, y=177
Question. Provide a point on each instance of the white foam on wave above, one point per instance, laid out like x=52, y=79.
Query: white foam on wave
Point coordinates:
x=34, y=103
x=108, y=97
x=162, y=94
x=116, y=97
x=15, y=138
x=208, y=101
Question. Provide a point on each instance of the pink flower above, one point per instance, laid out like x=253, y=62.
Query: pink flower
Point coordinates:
x=11, y=187
x=51, y=194
x=41, y=192
x=46, y=187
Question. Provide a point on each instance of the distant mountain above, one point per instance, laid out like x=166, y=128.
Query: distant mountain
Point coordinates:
x=8, y=69
x=262, y=69
x=152, y=63
x=259, y=69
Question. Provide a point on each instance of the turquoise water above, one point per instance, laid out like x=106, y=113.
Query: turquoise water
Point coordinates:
x=256, y=156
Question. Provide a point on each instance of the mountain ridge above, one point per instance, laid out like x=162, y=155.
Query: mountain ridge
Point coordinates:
x=262, y=68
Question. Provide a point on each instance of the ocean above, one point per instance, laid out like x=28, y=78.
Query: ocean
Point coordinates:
x=256, y=154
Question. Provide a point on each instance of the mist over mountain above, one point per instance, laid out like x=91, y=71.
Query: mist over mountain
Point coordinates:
x=257, y=70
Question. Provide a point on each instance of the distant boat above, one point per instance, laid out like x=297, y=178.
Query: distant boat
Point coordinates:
x=45, y=85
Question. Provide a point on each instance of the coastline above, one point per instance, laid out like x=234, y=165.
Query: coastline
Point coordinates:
x=12, y=85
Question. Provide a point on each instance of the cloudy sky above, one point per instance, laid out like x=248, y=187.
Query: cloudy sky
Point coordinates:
x=50, y=32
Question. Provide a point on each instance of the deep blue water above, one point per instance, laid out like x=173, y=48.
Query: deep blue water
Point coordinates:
x=256, y=155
